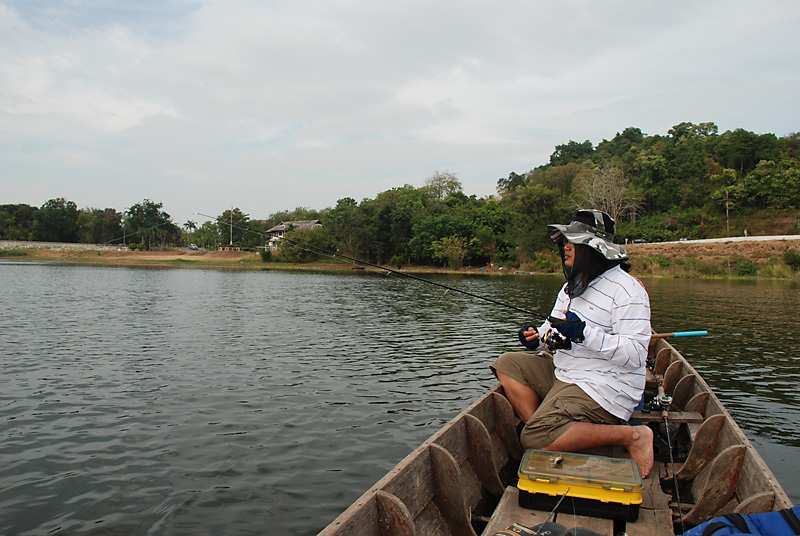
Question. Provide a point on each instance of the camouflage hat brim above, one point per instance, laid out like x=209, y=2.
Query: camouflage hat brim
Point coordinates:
x=581, y=233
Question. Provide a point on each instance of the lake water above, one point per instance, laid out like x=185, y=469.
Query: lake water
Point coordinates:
x=162, y=402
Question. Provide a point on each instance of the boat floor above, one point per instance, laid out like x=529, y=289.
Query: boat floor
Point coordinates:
x=655, y=516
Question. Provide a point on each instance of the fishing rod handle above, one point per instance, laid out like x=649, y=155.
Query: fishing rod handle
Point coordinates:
x=690, y=333
x=679, y=334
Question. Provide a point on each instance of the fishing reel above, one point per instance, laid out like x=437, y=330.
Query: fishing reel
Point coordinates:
x=556, y=341
x=651, y=401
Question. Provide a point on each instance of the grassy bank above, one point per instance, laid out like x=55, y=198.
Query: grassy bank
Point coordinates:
x=770, y=259
x=776, y=259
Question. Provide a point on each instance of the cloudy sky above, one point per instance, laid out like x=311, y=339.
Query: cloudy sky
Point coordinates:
x=270, y=105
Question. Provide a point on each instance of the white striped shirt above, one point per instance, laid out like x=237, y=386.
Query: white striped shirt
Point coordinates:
x=609, y=365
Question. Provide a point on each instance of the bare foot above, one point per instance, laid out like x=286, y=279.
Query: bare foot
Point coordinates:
x=641, y=449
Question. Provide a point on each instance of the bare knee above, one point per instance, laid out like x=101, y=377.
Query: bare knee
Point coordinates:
x=523, y=399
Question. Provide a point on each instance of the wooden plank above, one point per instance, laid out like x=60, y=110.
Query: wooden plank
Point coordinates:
x=704, y=447
x=671, y=377
x=358, y=520
x=651, y=523
x=760, y=502
x=455, y=441
x=600, y=526
x=394, y=518
x=449, y=495
x=683, y=392
x=756, y=476
x=716, y=488
x=662, y=361
x=479, y=445
x=653, y=497
x=486, y=413
x=505, y=421
x=676, y=417
x=509, y=511
x=412, y=482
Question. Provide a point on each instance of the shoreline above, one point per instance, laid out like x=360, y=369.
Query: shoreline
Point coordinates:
x=757, y=257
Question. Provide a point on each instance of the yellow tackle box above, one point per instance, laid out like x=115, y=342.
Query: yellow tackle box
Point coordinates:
x=597, y=486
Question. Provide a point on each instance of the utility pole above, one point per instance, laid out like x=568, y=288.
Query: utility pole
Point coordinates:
x=727, y=215
x=231, y=242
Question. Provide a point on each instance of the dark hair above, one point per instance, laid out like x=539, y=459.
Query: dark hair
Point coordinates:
x=588, y=264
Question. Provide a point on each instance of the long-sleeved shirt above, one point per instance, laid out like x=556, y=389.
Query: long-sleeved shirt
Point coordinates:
x=609, y=365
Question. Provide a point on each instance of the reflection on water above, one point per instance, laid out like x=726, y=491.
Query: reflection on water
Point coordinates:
x=190, y=401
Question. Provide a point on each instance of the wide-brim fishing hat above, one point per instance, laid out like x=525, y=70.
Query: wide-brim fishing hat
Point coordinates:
x=592, y=228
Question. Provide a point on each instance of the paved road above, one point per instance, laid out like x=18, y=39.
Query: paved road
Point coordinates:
x=734, y=239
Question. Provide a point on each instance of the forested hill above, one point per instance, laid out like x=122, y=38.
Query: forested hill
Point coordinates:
x=692, y=182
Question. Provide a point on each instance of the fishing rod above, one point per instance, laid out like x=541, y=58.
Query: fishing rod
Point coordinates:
x=665, y=401
x=699, y=333
x=335, y=255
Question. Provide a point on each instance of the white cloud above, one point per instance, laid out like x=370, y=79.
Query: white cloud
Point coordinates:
x=298, y=103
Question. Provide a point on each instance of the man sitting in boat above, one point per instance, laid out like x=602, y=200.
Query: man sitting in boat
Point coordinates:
x=582, y=395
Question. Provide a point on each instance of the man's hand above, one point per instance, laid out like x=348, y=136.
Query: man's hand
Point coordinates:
x=529, y=337
x=571, y=327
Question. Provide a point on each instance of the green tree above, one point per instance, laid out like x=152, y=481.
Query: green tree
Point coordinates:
x=451, y=251
x=770, y=185
x=571, y=152
x=16, y=222
x=395, y=212
x=146, y=223
x=303, y=245
x=491, y=221
x=232, y=226
x=207, y=235
x=56, y=221
x=99, y=226
x=506, y=186
x=535, y=208
x=433, y=229
x=349, y=228
x=742, y=150
x=560, y=178
x=620, y=146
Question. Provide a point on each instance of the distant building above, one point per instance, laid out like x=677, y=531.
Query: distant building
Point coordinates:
x=277, y=232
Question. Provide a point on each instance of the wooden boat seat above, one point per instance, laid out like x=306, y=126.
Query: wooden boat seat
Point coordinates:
x=714, y=486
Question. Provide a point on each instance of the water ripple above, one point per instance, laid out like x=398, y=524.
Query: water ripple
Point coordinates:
x=168, y=402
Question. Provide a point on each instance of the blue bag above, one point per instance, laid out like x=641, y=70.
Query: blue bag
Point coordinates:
x=781, y=523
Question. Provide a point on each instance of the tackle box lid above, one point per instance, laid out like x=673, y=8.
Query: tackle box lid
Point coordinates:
x=583, y=471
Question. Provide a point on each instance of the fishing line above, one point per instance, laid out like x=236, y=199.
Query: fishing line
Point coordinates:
x=665, y=401
x=135, y=233
x=334, y=255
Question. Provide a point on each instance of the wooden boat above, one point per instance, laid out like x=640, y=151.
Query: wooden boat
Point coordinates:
x=462, y=480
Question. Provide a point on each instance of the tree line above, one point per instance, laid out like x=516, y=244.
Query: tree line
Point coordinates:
x=691, y=183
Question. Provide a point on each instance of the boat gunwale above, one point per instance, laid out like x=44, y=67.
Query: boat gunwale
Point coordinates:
x=753, y=464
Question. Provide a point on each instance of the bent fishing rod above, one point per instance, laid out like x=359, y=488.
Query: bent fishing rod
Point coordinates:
x=335, y=255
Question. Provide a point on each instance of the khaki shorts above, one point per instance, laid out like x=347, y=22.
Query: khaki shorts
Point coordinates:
x=562, y=404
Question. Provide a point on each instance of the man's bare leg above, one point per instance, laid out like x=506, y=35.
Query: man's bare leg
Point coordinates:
x=638, y=440
x=523, y=399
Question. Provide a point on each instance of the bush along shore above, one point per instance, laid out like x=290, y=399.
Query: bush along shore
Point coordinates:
x=754, y=258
